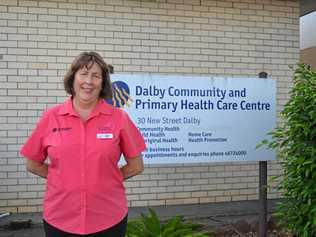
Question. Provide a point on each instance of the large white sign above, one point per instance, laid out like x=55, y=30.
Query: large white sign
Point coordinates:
x=199, y=119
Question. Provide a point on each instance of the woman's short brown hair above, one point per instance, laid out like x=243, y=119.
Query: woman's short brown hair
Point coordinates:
x=87, y=59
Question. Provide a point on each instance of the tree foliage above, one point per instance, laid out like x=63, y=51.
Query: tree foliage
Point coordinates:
x=295, y=141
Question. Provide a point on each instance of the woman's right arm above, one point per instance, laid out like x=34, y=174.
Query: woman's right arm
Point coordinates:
x=37, y=168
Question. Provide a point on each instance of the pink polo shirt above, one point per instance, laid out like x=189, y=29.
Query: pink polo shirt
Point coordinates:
x=84, y=189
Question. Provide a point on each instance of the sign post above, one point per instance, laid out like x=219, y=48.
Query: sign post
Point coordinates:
x=263, y=189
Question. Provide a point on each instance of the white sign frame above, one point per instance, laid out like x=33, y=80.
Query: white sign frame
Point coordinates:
x=190, y=119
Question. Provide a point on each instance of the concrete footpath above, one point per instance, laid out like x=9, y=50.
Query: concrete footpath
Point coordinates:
x=213, y=214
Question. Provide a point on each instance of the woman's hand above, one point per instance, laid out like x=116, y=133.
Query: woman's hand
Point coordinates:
x=134, y=166
x=40, y=169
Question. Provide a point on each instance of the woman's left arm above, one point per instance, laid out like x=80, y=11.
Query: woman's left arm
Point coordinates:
x=133, y=166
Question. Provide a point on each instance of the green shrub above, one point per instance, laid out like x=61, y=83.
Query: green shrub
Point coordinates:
x=295, y=141
x=150, y=226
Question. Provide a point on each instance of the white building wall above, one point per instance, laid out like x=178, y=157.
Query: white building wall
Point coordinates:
x=307, y=31
x=38, y=40
x=308, y=39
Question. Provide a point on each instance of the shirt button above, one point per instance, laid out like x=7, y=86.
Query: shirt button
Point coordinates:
x=82, y=174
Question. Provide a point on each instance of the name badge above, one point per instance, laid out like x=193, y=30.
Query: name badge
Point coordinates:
x=104, y=135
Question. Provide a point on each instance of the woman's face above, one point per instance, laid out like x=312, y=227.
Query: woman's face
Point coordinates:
x=88, y=83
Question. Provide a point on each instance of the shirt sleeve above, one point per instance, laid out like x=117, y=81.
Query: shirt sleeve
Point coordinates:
x=131, y=140
x=33, y=148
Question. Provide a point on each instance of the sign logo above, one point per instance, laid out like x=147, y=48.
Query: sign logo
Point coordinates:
x=121, y=95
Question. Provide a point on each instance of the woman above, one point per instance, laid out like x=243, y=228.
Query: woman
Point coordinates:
x=76, y=146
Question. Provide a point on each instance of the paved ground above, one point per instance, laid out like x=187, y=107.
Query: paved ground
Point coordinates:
x=214, y=214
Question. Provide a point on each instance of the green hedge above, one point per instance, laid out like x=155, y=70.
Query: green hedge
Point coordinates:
x=295, y=141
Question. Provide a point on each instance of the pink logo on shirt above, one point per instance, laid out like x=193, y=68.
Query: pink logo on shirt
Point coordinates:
x=61, y=129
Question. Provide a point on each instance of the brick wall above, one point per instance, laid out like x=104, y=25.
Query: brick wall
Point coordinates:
x=189, y=37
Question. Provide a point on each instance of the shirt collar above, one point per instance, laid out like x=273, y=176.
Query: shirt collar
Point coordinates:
x=102, y=107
